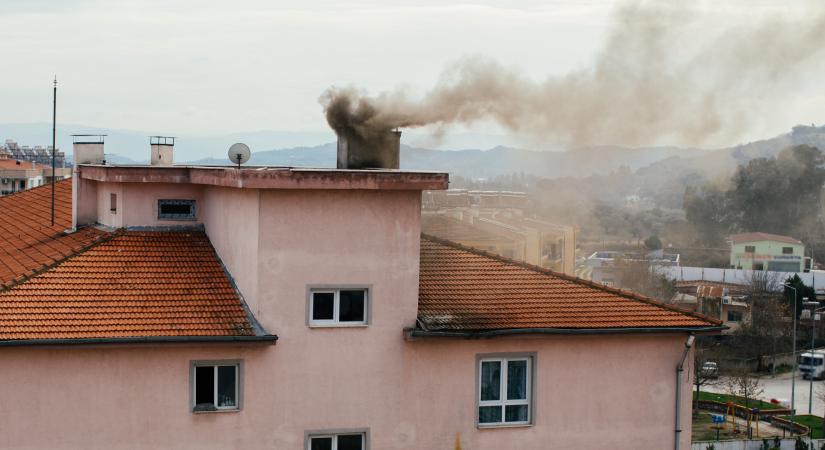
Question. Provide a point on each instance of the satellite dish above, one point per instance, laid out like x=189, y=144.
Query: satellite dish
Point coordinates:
x=239, y=153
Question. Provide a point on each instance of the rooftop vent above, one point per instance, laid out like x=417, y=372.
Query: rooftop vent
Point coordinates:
x=88, y=148
x=162, y=150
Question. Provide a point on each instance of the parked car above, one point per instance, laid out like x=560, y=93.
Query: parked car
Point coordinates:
x=710, y=369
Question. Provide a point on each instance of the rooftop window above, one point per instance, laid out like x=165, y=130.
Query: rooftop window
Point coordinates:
x=176, y=209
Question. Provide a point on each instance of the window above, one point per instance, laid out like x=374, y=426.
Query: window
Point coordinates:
x=176, y=209
x=750, y=249
x=337, y=441
x=734, y=316
x=758, y=266
x=504, y=391
x=787, y=250
x=113, y=202
x=216, y=385
x=338, y=307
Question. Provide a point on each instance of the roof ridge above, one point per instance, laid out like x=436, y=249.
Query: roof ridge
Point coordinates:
x=621, y=292
x=46, y=267
x=257, y=327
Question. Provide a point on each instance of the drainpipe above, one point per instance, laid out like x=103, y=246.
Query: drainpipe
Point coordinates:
x=680, y=368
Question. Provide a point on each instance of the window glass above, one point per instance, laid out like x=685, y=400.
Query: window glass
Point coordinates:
x=323, y=305
x=351, y=306
x=204, y=385
x=489, y=414
x=504, y=391
x=490, y=380
x=226, y=386
x=350, y=442
x=176, y=209
x=515, y=413
x=787, y=250
x=516, y=380
x=750, y=249
x=320, y=443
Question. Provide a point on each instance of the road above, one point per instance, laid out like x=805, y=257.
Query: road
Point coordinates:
x=780, y=388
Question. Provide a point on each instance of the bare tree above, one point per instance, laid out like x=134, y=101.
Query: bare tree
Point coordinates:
x=767, y=331
x=744, y=384
x=763, y=282
x=702, y=376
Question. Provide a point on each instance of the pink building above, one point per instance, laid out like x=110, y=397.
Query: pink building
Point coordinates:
x=281, y=308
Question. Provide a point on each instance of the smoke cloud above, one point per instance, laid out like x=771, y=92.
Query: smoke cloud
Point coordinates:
x=653, y=80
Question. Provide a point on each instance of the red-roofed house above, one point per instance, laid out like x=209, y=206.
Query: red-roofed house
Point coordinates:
x=18, y=175
x=152, y=323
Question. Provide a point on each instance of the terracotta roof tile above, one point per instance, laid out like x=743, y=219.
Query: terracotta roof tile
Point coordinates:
x=134, y=284
x=28, y=241
x=463, y=289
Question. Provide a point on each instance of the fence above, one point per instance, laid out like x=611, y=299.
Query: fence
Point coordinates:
x=752, y=444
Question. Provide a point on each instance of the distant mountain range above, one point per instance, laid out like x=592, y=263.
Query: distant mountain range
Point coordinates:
x=297, y=150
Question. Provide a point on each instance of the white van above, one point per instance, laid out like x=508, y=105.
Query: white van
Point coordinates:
x=812, y=365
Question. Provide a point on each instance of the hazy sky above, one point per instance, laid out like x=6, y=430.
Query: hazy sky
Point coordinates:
x=204, y=67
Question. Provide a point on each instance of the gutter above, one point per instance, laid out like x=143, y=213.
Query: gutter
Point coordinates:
x=680, y=368
x=265, y=339
x=415, y=332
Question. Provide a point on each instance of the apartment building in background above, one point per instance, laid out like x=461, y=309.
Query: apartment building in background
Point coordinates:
x=266, y=307
x=497, y=222
x=24, y=168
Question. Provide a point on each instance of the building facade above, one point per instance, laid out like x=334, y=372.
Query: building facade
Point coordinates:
x=280, y=308
x=765, y=251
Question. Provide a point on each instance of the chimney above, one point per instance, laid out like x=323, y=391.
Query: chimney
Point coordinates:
x=88, y=148
x=381, y=151
x=162, y=150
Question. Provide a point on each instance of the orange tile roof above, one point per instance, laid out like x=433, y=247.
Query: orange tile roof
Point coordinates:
x=28, y=241
x=135, y=284
x=19, y=164
x=463, y=289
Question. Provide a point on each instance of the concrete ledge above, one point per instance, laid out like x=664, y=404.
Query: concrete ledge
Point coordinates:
x=269, y=177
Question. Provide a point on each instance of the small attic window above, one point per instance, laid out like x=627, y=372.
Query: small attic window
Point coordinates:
x=176, y=209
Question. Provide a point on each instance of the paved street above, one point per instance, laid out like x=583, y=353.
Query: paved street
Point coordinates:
x=780, y=388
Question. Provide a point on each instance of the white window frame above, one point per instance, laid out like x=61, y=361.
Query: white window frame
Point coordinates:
x=336, y=307
x=334, y=437
x=215, y=365
x=503, y=402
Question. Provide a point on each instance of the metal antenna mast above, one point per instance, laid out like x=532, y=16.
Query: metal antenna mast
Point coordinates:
x=54, y=147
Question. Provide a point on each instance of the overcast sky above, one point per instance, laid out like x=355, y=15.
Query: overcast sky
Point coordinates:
x=207, y=67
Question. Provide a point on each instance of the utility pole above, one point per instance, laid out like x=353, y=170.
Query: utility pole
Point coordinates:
x=54, y=129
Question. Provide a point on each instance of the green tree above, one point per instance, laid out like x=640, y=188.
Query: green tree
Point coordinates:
x=707, y=211
x=778, y=195
x=653, y=243
x=801, y=291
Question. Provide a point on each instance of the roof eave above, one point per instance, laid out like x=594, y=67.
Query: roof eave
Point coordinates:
x=255, y=339
x=411, y=333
